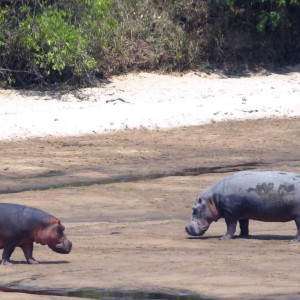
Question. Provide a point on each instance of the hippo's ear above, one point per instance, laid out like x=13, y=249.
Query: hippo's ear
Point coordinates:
x=215, y=214
x=199, y=201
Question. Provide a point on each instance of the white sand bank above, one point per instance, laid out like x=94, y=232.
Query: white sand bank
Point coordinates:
x=150, y=101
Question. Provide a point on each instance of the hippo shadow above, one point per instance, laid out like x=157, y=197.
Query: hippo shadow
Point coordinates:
x=269, y=237
x=45, y=262
x=203, y=237
x=262, y=237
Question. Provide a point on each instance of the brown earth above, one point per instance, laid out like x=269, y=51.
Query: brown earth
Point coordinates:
x=128, y=229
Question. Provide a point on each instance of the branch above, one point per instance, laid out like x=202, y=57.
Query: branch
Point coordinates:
x=19, y=71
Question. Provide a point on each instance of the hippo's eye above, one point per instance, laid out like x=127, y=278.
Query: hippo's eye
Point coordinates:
x=59, y=230
x=199, y=200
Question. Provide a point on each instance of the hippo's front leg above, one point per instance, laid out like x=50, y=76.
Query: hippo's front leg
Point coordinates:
x=231, y=226
x=27, y=249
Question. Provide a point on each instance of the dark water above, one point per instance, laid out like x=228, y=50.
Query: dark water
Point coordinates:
x=58, y=182
x=117, y=295
x=109, y=294
x=137, y=295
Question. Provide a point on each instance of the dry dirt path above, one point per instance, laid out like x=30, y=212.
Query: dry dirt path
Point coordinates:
x=130, y=235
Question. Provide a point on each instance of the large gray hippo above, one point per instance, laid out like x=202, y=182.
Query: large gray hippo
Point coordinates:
x=20, y=226
x=263, y=196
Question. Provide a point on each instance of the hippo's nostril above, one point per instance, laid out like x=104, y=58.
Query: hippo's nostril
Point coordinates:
x=186, y=229
x=190, y=230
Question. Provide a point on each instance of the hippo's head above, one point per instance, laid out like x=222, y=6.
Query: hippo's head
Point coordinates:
x=60, y=243
x=53, y=236
x=204, y=212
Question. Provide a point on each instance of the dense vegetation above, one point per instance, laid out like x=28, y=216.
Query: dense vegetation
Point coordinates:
x=71, y=42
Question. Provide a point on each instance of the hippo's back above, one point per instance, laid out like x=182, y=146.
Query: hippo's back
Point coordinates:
x=270, y=184
x=15, y=217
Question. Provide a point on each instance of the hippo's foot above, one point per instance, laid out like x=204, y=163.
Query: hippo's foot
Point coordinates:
x=227, y=236
x=32, y=261
x=6, y=262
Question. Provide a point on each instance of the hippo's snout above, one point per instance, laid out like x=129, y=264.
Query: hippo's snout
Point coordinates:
x=63, y=248
x=194, y=229
x=190, y=230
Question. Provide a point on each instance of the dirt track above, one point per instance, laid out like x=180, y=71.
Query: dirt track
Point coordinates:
x=130, y=235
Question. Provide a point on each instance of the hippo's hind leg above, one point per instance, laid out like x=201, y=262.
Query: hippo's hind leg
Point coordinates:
x=7, y=252
x=297, y=237
x=27, y=249
x=244, y=226
x=231, y=226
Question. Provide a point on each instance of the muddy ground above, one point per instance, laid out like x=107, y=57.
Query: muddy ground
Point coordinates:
x=125, y=198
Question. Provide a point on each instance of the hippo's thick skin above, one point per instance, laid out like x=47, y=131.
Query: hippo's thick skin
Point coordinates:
x=21, y=226
x=263, y=196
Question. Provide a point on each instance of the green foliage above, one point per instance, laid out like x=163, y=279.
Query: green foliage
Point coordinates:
x=272, y=19
x=271, y=13
x=53, y=42
x=56, y=43
x=73, y=41
x=275, y=14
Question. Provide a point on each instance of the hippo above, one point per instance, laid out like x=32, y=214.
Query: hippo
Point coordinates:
x=271, y=196
x=20, y=226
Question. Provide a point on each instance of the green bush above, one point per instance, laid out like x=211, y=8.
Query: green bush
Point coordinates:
x=50, y=43
x=267, y=29
x=270, y=14
x=73, y=42
x=147, y=38
x=55, y=44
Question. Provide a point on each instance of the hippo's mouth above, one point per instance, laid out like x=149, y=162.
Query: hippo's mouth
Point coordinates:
x=191, y=230
x=62, y=248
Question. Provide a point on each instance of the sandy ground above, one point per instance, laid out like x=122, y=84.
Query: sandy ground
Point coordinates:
x=126, y=196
